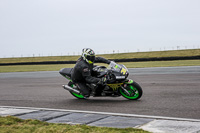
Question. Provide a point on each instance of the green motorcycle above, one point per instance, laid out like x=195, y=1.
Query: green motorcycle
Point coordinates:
x=117, y=83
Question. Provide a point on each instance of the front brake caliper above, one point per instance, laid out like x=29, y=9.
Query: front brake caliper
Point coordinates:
x=130, y=81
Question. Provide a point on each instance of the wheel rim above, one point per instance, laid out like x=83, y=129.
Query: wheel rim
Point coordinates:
x=76, y=95
x=132, y=91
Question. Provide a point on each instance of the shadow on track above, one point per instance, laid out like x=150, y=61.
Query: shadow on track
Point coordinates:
x=101, y=100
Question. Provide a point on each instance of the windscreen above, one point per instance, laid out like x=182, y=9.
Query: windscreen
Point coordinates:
x=114, y=66
x=119, y=68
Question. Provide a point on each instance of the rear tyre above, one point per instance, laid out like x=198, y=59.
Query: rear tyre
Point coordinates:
x=134, y=90
x=79, y=96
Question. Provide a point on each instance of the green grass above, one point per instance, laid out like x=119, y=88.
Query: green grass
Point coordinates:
x=28, y=68
x=57, y=67
x=162, y=63
x=12, y=124
x=174, y=53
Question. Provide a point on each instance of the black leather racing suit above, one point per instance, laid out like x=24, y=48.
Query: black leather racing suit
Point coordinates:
x=81, y=74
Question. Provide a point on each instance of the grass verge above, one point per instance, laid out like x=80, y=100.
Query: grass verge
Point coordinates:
x=12, y=124
x=173, y=53
x=29, y=68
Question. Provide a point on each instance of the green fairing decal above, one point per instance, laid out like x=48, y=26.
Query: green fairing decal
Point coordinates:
x=130, y=81
x=68, y=78
x=116, y=66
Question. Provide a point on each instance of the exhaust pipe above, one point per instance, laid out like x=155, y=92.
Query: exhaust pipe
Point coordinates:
x=66, y=87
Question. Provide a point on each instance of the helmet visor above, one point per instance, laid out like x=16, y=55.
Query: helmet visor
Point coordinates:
x=91, y=58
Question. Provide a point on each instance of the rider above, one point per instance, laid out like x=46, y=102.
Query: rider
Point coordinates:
x=81, y=73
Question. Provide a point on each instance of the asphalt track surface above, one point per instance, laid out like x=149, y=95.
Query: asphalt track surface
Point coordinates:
x=169, y=92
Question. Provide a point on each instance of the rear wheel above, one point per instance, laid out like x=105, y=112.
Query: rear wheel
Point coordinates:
x=134, y=91
x=79, y=96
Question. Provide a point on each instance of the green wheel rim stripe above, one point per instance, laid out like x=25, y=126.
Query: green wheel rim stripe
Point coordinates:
x=133, y=89
x=76, y=95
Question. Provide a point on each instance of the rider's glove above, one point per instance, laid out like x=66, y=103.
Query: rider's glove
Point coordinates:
x=102, y=81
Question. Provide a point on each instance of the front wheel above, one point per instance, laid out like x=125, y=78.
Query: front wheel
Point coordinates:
x=133, y=91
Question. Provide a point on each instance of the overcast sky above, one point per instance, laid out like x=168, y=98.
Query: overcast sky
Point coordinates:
x=55, y=27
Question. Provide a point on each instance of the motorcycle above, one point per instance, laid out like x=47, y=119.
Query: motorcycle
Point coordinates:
x=116, y=84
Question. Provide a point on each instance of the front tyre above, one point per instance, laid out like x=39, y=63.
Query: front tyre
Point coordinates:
x=134, y=91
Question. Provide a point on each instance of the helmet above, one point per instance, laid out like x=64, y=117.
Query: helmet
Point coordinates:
x=88, y=55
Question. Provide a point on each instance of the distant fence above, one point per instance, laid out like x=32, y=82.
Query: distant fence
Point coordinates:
x=158, y=59
x=116, y=60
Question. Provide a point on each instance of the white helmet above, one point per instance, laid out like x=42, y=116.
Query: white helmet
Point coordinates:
x=88, y=55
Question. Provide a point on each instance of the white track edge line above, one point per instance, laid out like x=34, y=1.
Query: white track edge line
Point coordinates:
x=107, y=113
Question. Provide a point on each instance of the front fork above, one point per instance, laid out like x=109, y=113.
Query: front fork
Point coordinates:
x=127, y=82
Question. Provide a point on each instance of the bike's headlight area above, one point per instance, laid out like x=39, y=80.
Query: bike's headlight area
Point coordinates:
x=127, y=72
x=124, y=76
x=120, y=77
